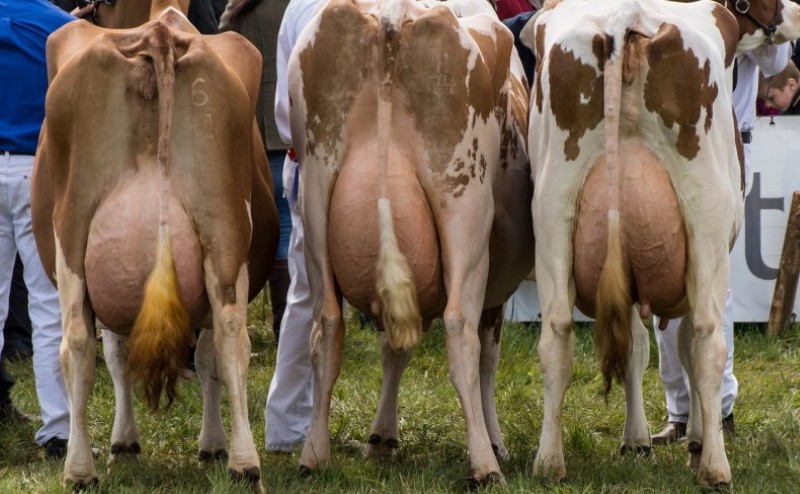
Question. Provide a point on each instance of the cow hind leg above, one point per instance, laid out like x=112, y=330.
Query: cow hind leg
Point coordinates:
x=462, y=320
x=125, y=433
x=327, y=336
x=232, y=353
x=636, y=438
x=213, y=441
x=554, y=263
x=694, y=439
x=490, y=329
x=382, y=441
x=77, y=355
x=556, y=347
x=703, y=352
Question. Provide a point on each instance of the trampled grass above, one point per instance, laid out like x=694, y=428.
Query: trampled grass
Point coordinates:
x=764, y=456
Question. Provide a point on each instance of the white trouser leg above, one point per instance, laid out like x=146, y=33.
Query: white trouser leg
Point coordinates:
x=730, y=386
x=673, y=377
x=16, y=234
x=43, y=308
x=289, y=401
x=8, y=248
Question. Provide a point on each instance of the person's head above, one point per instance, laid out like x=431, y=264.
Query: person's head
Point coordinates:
x=782, y=87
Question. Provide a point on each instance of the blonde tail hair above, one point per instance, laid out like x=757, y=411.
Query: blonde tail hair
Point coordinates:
x=160, y=339
x=613, y=300
x=395, y=281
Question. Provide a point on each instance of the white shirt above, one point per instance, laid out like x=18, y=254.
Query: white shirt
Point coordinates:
x=296, y=17
x=770, y=59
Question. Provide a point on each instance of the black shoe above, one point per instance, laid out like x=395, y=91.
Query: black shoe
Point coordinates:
x=729, y=426
x=674, y=431
x=55, y=448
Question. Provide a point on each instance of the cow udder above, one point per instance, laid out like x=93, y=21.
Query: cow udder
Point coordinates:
x=353, y=237
x=121, y=250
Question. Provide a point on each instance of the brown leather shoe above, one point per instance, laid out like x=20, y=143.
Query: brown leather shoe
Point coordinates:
x=674, y=431
x=729, y=426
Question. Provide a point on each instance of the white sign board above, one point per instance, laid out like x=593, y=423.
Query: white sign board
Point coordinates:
x=775, y=153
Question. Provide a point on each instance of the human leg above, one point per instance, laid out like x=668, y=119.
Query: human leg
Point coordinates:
x=279, y=279
x=674, y=381
x=289, y=400
x=7, y=255
x=45, y=315
x=17, y=328
x=730, y=386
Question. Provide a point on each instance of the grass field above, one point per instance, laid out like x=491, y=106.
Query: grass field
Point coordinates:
x=764, y=457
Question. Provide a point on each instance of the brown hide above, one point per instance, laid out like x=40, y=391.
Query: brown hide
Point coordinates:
x=218, y=164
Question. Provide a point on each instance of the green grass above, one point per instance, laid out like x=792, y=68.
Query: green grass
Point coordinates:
x=764, y=457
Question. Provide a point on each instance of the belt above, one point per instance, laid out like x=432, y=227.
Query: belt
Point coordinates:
x=747, y=136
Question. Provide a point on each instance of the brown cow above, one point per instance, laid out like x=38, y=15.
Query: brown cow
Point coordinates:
x=153, y=211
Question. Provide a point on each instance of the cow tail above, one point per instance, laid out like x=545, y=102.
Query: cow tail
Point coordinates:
x=160, y=339
x=613, y=302
x=395, y=281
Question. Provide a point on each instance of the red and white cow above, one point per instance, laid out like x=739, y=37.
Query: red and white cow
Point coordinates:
x=639, y=195
x=409, y=127
x=153, y=211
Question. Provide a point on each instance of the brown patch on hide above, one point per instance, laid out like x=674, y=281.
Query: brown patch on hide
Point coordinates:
x=578, y=103
x=678, y=88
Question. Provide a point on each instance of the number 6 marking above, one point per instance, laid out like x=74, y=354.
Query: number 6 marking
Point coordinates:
x=199, y=97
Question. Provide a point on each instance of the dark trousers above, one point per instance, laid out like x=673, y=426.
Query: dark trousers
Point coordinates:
x=278, y=283
x=17, y=330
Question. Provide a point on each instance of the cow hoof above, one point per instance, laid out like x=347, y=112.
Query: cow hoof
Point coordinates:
x=722, y=487
x=636, y=449
x=250, y=475
x=303, y=470
x=119, y=449
x=207, y=456
x=550, y=471
x=500, y=452
x=380, y=449
x=714, y=480
x=82, y=485
x=695, y=451
x=474, y=482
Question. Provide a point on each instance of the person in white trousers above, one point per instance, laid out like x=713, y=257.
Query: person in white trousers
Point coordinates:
x=770, y=59
x=289, y=400
x=24, y=27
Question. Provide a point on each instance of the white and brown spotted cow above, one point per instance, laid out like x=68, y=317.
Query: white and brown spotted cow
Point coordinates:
x=409, y=127
x=764, y=21
x=153, y=211
x=639, y=197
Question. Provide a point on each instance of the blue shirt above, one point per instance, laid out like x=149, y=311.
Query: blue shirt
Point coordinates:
x=24, y=27
x=515, y=25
